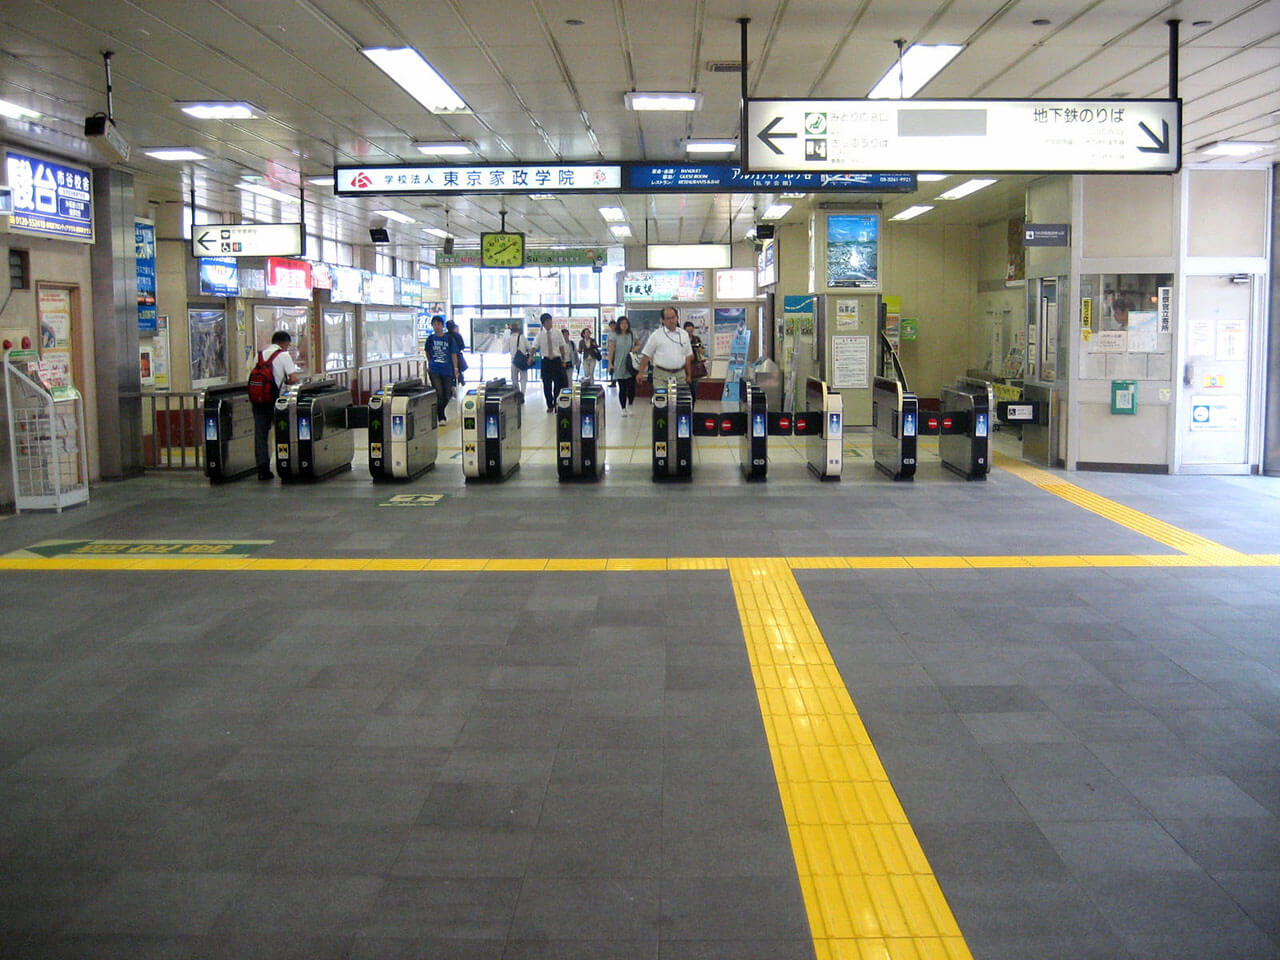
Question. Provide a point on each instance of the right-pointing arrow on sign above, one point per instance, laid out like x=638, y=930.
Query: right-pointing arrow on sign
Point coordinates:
x=1161, y=143
x=767, y=136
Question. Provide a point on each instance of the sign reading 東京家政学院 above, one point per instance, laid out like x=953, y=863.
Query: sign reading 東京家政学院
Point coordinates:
x=512, y=178
x=965, y=136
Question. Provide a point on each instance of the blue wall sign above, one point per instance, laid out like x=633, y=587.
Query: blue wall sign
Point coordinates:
x=144, y=237
x=723, y=176
x=50, y=199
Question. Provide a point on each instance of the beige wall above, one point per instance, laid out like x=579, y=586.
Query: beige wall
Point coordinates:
x=1228, y=209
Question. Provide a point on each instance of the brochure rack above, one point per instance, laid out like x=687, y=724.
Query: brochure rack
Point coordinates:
x=47, y=442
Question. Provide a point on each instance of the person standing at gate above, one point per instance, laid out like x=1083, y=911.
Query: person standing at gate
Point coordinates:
x=669, y=350
x=283, y=370
x=515, y=345
x=442, y=365
x=554, y=350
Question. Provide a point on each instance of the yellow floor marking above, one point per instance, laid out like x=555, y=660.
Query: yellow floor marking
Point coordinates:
x=1135, y=520
x=577, y=566
x=867, y=885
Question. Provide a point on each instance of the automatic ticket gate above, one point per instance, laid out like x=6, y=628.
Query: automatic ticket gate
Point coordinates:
x=491, y=421
x=313, y=438
x=964, y=440
x=228, y=433
x=580, y=436
x=672, y=432
x=403, y=436
x=823, y=424
x=895, y=424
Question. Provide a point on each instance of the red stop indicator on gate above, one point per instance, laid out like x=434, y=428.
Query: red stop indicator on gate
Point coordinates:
x=933, y=423
x=726, y=426
x=946, y=423
x=784, y=423
x=801, y=423
x=709, y=424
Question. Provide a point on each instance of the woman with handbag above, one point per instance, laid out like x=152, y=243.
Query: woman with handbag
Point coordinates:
x=517, y=347
x=589, y=351
x=620, y=346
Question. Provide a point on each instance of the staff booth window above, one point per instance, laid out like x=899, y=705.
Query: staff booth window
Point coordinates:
x=268, y=318
x=389, y=335
x=339, y=339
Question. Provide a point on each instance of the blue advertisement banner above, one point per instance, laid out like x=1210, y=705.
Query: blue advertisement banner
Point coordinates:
x=737, y=364
x=144, y=238
x=723, y=176
x=50, y=199
x=219, y=277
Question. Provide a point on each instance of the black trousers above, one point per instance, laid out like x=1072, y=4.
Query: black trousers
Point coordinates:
x=553, y=379
x=626, y=391
x=262, y=415
x=443, y=386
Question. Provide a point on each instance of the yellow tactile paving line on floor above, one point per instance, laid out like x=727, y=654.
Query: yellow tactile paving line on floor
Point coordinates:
x=1135, y=520
x=868, y=889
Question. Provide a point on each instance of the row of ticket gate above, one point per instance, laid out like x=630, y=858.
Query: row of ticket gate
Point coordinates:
x=314, y=426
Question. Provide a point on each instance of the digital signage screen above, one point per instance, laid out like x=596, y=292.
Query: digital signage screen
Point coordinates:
x=853, y=250
x=665, y=285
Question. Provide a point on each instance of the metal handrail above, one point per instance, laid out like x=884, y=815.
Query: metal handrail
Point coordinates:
x=171, y=437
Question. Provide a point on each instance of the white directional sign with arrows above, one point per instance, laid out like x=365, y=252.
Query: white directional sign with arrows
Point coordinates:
x=247, y=240
x=965, y=136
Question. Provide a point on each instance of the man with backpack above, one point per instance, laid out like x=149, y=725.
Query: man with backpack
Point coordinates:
x=274, y=368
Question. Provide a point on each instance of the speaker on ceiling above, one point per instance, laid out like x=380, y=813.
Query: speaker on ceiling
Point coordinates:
x=448, y=246
x=379, y=235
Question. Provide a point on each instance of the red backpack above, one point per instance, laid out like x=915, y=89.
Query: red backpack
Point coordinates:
x=262, y=378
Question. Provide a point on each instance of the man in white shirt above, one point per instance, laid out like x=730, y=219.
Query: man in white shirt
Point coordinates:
x=283, y=370
x=555, y=353
x=669, y=350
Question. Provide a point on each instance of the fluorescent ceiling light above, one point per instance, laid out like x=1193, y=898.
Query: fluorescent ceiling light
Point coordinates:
x=931, y=177
x=542, y=196
x=445, y=148
x=1232, y=148
x=966, y=188
x=15, y=112
x=620, y=230
x=220, y=110
x=793, y=196
x=321, y=181
x=709, y=146
x=436, y=232
x=613, y=214
x=417, y=78
x=395, y=215
x=267, y=192
x=638, y=100
x=689, y=256
x=776, y=211
x=174, y=153
x=920, y=63
x=912, y=212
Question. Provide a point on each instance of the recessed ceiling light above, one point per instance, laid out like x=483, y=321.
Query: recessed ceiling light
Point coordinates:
x=436, y=232
x=793, y=196
x=174, y=153
x=417, y=78
x=613, y=214
x=395, y=215
x=15, y=112
x=445, y=148
x=220, y=110
x=912, y=212
x=692, y=145
x=620, y=230
x=776, y=211
x=542, y=196
x=919, y=64
x=931, y=177
x=966, y=188
x=641, y=100
x=262, y=191
x=1232, y=148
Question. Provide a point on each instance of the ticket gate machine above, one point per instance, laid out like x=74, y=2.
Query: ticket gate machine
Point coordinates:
x=672, y=432
x=228, y=433
x=895, y=424
x=824, y=450
x=964, y=441
x=491, y=421
x=403, y=437
x=313, y=439
x=580, y=439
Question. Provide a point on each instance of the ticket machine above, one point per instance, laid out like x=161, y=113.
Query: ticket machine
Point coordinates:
x=403, y=437
x=313, y=439
x=580, y=436
x=895, y=424
x=228, y=433
x=491, y=421
x=672, y=431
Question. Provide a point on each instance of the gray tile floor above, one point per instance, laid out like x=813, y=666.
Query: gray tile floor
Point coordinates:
x=572, y=765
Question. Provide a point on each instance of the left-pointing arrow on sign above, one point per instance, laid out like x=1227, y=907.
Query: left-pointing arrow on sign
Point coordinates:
x=767, y=136
x=203, y=240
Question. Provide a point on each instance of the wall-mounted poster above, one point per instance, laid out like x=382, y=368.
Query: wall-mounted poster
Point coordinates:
x=664, y=285
x=728, y=321
x=144, y=238
x=853, y=250
x=208, y=333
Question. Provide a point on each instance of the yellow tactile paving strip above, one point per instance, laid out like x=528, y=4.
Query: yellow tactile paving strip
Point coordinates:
x=868, y=889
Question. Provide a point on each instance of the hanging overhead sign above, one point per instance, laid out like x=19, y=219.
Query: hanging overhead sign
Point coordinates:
x=533, y=257
x=247, y=240
x=49, y=199
x=965, y=136
x=511, y=178
x=687, y=177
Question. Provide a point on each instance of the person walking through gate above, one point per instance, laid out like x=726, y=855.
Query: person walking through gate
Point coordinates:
x=554, y=350
x=515, y=343
x=621, y=344
x=283, y=370
x=589, y=351
x=669, y=350
x=442, y=364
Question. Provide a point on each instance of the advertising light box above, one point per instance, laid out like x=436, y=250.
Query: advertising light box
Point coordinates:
x=288, y=279
x=853, y=250
x=767, y=265
x=219, y=277
x=665, y=285
x=735, y=284
x=49, y=199
x=348, y=285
